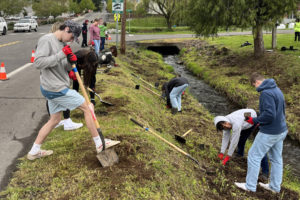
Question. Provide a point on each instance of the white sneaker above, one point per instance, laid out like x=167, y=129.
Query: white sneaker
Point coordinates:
x=241, y=186
x=267, y=187
x=61, y=123
x=42, y=153
x=108, y=143
x=70, y=125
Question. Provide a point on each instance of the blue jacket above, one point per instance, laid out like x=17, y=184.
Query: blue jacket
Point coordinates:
x=271, y=108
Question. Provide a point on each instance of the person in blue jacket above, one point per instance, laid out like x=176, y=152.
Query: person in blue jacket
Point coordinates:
x=273, y=130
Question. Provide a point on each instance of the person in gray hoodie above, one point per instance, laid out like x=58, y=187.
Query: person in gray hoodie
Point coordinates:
x=273, y=130
x=241, y=130
x=54, y=59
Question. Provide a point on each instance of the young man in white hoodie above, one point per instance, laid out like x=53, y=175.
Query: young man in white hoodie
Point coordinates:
x=241, y=130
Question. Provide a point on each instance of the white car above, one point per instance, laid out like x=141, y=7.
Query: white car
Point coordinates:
x=26, y=25
x=3, y=26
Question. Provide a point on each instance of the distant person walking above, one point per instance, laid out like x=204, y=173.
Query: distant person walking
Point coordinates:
x=84, y=33
x=297, y=30
x=95, y=35
x=273, y=130
x=103, y=31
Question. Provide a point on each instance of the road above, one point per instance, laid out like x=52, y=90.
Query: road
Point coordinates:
x=22, y=107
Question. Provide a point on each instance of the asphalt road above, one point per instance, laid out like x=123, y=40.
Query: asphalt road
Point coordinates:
x=22, y=107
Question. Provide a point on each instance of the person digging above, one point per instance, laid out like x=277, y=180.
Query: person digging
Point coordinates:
x=173, y=90
x=241, y=130
x=54, y=59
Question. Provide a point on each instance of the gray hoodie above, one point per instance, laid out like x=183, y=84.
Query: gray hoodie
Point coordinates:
x=237, y=120
x=52, y=62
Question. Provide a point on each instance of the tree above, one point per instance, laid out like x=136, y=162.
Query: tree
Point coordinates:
x=207, y=17
x=45, y=8
x=86, y=5
x=74, y=7
x=165, y=8
x=109, y=6
x=12, y=7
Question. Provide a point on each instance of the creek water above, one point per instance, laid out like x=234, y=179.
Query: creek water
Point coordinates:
x=218, y=104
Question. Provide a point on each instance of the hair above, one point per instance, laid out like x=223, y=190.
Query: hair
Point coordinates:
x=88, y=61
x=104, y=23
x=96, y=20
x=114, y=51
x=56, y=26
x=164, y=86
x=256, y=77
x=219, y=126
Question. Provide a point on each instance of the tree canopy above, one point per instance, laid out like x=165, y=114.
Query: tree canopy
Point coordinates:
x=12, y=7
x=206, y=17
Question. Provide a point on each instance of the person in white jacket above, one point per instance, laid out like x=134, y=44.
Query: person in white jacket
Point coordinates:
x=241, y=130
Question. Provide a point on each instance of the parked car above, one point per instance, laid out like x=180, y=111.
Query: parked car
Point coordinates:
x=26, y=25
x=3, y=26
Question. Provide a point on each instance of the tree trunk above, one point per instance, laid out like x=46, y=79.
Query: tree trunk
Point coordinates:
x=123, y=33
x=274, y=37
x=169, y=23
x=258, y=41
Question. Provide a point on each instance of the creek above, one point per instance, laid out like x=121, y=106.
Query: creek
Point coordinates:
x=218, y=104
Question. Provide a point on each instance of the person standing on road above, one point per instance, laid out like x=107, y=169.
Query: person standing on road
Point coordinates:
x=95, y=35
x=241, y=130
x=273, y=130
x=173, y=91
x=84, y=33
x=297, y=30
x=54, y=59
x=103, y=34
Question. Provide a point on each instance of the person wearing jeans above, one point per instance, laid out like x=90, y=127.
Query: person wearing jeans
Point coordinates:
x=273, y=130
x=95, y=35
x=241, y=130
x=173, y=91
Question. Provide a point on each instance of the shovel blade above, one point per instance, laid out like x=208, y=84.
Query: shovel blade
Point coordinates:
x=108, y=157
x=180, y=139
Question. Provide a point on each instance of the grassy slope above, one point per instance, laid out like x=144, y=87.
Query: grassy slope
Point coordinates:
x=148, y=168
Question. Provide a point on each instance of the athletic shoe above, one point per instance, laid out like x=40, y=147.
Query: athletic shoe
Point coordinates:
x=40, y=154
x=108, y=143
x=267, y=187
x=70, y=125
x=241, y=186
x=61, y=123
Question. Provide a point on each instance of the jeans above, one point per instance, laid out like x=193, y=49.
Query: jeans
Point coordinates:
x=241, y=147
x=175, y=96
x=266, y=143
x=102, y=43
x=97, y=46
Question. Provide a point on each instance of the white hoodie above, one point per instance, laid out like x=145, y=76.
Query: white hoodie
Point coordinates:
x=237, y=120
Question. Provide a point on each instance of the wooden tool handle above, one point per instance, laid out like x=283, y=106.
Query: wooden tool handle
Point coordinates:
x=187, y=132
x=85, y=95
x=150, y=91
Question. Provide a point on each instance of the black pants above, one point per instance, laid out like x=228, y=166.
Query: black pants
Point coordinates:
x=297, y=34
x=66, y=113
x=84, y=40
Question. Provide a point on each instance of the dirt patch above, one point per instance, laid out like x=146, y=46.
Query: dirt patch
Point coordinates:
x=118, y=103
x=128, y=164
x=113, y=73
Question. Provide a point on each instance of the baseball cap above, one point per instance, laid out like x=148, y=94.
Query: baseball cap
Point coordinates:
x=75, y=29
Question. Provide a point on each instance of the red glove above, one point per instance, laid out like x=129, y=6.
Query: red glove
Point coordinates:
x=93, y=43
x=67, y=50
x=72, y=75
x=249, y=120
x=72, y=58
x=168, y=106
x=221, y=156
x=183, y=93
x=225, y=160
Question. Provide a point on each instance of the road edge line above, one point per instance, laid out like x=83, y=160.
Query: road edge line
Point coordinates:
x=9, y=75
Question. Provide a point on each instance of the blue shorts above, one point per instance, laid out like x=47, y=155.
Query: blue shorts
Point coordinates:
x=71, y=100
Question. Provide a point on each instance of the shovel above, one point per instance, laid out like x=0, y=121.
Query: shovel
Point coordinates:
x=104, y=102
x=144, y=80
x=107, y=157
x=181, y=139
x=169, y=143
x=140, y=86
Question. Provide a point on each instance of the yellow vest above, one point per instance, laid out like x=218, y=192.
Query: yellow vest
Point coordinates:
x=297, y=27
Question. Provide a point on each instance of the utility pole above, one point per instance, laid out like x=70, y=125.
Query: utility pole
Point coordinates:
x=123, y=32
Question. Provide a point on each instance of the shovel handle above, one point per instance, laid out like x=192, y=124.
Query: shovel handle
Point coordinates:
x=142, y=80
x=85, y=94
x=185, y=134
x=137, y=123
